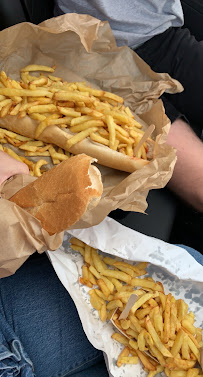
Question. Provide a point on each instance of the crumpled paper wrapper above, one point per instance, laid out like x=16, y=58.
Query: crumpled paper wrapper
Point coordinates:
x=84, y=48
x=178, y=271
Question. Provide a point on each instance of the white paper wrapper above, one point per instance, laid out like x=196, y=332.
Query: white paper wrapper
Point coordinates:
x=173, y=266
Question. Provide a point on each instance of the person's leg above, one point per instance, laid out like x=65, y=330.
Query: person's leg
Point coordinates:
x=41, y=313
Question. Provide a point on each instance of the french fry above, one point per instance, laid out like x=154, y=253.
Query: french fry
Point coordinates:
x=185, y=348
x=156, y=339
x=79, y=137
x=128, y=359
x=103, y=313
x=120, y=338
x=38, y=166
x=103, y=287
x=86, y=125
x=117, y=274
x=177, y=343
x=158, y=370
x=145, y=361
x=167, y=313
x=37, y=67
x=124, y=353
x=146, y=284
x=99, y=139
x=188, y=326
x=142, y=300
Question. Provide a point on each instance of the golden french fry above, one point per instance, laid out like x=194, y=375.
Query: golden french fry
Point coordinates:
x=95, y=301
x=193, y=372
x=97, y=261
x=116, y=282
x=78, y=248
x=85, y=125
x=114, y=304
x=40, y=81
x=159, y=369
x=85, y=282
x=141, y=313
x=156, y=339
x=146, y=283
x=167, y=313
x=85, y=272
x=177, y=343
x=37, y=116
x=178, y=373
x=191, y=337
x=37, y=167
x=103, y=313
x=125, y=324
x=112, y=132
x=40, y=109
x=54, y=78
x=120, y=338
x=9, y=92
x=182, y=309
x=125, y=269
x=141, y=340
x=79, y=137
x=92, y=278
x=129, y=359
x=87, y=254
x=142, y=300
x=12, y=153
x=70, y=96
x=188, y=326
x=99, y=139
x=185, y=348
x=145, y=361
x=113, y=96
x=117, y=274
x=194, y=349
x=124, y=353
x=184, y=364
x=68, y=112
x=103, y=287
x=37, y=67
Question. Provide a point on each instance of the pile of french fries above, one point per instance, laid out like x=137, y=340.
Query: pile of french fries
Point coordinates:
x=158, y=330
x=85, y=111
x=31, y=148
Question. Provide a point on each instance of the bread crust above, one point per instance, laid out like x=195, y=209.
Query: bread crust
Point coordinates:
x=53, y=134
x=61, y=195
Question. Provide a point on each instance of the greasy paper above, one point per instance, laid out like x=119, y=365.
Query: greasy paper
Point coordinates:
x=84, y=49
x=173, y=266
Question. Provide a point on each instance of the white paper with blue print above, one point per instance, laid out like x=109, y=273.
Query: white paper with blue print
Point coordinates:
x=173, y=266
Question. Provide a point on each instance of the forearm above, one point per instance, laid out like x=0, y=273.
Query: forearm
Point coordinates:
x=187, y=179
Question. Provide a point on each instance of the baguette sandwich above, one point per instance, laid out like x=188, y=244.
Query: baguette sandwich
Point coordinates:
x=62, y=195
x=73, y=116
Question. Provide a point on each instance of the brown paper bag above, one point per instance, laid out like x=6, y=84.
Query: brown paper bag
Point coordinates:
x=84, y=48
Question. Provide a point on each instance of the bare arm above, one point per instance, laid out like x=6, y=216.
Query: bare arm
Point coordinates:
x=187, y=179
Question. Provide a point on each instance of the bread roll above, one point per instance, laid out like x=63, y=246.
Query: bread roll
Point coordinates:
x=55, y=135
x=62, y=195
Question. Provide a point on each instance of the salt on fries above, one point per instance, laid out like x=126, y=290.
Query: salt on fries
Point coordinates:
x=86, y=112
x=31, y=148
x=158, y=330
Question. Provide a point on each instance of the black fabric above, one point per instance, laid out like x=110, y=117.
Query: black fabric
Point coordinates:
x=178, y=53
x=193, y=15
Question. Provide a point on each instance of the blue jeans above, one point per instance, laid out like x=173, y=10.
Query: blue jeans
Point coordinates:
x=40, y=327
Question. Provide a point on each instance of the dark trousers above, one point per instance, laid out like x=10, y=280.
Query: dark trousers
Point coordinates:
x=179, y=54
